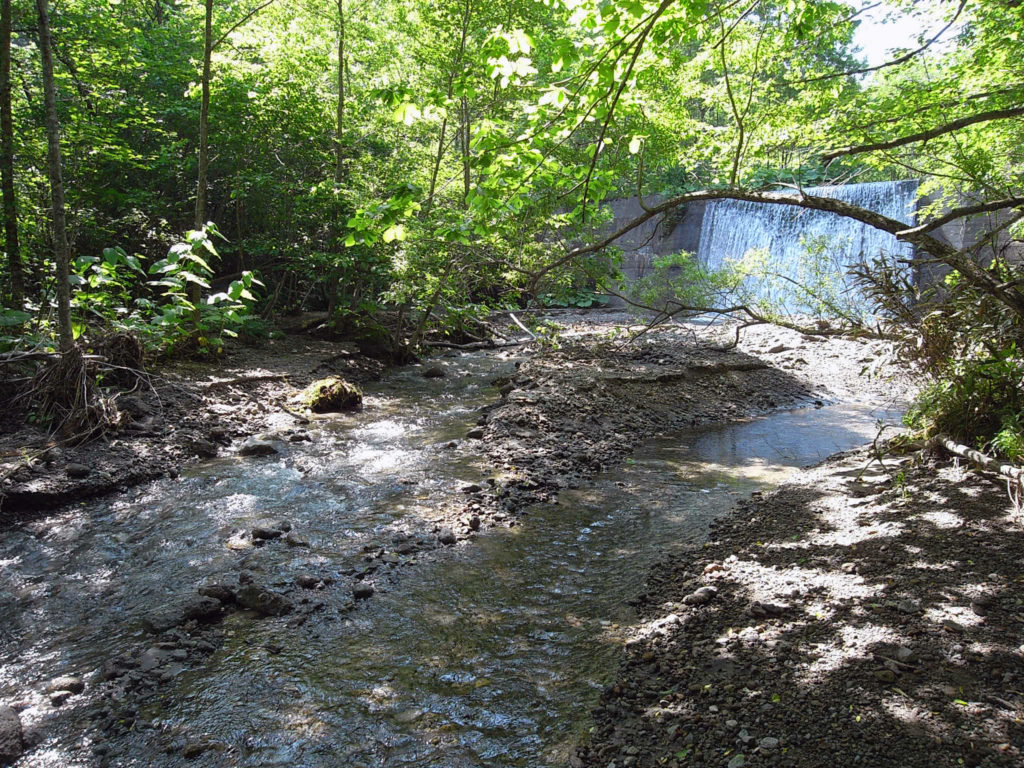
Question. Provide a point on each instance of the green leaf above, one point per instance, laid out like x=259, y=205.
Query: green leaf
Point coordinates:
x=12, y=317
x=192, y=278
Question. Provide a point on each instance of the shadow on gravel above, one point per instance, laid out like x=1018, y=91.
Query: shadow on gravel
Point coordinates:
x=857, y=622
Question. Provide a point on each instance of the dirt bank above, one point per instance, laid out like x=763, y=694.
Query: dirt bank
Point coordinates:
x=845, y=619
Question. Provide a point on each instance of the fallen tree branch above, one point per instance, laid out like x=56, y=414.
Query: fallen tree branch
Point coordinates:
x=982, y=460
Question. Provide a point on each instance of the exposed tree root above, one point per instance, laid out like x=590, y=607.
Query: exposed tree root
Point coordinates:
x=64, y=394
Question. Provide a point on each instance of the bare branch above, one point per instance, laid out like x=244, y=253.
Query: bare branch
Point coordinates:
x=959, y=213
x=955, y=125
x=240, y=22
x=895, y=62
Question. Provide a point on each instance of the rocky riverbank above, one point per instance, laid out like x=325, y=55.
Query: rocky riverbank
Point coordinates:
x=861, y=615
x=179, y=414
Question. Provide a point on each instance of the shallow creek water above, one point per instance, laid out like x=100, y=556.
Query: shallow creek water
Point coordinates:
x=486, y=655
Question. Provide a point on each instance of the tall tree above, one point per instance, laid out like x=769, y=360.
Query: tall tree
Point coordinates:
x=62, y=250
x=204, y=119
x=17, y=274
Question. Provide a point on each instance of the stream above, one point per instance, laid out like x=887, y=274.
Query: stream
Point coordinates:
x=483, y=655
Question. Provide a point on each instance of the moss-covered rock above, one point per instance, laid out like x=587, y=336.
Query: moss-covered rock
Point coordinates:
x=332, y=394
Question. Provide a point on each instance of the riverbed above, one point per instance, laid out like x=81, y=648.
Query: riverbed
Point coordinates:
x=491, y=654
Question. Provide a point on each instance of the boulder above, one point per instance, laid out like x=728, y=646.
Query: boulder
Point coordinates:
x=199, y=607
x=331, y=395
x=222, y=592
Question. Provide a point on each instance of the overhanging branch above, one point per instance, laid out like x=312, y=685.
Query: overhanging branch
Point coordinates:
x=955, y=125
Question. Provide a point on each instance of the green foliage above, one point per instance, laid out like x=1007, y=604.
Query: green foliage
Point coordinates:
x=978, y=401
x=679, y=280
x=202, y=326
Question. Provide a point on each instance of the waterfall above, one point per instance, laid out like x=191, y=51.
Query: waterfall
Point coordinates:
x=803, y=245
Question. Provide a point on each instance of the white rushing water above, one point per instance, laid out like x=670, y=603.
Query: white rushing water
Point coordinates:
x=804, y=246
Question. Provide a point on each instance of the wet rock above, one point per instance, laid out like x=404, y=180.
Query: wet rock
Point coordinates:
x=362, y=591
x=11, y=744
x=474, y=523
x=477, y=433
x=434, y=372
x=221, y=592
x=265, y=533
x=263, y=601
x=308, y=582
x=471, y=488
x=66, y=683
x=58, y=698
x=194, y=749
x=257, y=448
x=239, y=541
x=202, y=608
x=294, y=540
x=199, y=607
x=153, y=658
x=446, y=537
x=204, y=449
x=78, y=471
x=702, y=596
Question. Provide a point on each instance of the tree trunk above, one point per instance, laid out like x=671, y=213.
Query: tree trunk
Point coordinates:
x=194, y=291
x=204, y=120
x=15, y=268
x=465, y=152
x=339, y=168
x=60, y=238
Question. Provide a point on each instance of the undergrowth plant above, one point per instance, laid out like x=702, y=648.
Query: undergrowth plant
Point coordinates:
x=200, y=327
